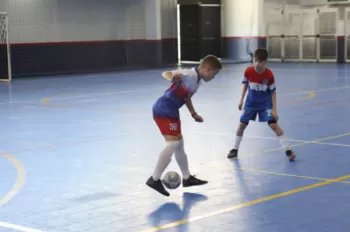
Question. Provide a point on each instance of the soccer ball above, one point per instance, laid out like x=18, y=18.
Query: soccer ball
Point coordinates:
x=171, y=180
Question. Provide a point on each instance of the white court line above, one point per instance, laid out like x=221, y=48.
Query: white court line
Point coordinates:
x=78, y=96
x=273, y=138
x=140, y=90
x=17, y=227
x=68, y=96
x=104, y=93
x=303, y=141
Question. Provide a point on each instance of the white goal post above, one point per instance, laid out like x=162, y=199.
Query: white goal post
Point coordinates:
x=5, y=51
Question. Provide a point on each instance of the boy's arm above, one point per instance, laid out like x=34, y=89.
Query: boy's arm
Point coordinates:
x=172, y=76
x=272, y=88
x=244, y=91
x=274, y=101
x=190, y=106
x=167, y=75
x=245, y=83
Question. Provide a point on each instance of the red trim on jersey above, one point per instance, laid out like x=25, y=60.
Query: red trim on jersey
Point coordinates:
x=180, y=92
x=259, y=78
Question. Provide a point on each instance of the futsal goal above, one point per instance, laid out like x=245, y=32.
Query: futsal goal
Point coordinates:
x=5, y=52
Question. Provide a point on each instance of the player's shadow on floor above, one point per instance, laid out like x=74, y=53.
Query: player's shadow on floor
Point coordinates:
x=236, y=164
x=237, y=171
x=170, y=212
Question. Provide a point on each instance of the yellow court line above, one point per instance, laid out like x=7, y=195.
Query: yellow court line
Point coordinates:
x=45, y=101
x=254, y=202
x=311, y=95
x=247, y=204
x=298, y=144
x=286, y=174
x=20, y=180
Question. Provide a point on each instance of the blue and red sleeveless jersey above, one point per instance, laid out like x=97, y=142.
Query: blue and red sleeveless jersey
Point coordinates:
x=175, y=97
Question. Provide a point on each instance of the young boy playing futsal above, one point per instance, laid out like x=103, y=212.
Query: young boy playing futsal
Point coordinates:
x=261, y=100
x=166, y=115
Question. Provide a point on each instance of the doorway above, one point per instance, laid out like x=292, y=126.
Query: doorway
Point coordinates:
x=199, y=31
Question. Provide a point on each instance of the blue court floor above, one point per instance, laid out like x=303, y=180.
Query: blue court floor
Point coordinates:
x=76, y=152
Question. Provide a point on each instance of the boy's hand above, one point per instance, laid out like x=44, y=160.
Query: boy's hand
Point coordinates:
x=197, y=118
x=177, y=77
x=240, y=105
x=275, y=115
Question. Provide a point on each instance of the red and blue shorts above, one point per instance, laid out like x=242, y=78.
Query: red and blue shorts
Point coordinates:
x=168, y=126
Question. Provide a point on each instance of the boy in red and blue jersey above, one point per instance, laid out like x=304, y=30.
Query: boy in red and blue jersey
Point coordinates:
x=185, y=84
x=259, y=81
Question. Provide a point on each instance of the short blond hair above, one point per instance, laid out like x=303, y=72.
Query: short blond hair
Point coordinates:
x=212, y=61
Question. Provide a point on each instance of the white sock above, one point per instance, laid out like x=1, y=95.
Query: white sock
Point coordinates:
x=283, y=142
x=165, y=158
x=181, y=159
x=237, y=142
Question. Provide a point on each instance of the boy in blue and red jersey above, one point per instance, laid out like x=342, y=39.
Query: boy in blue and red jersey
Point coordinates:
x=261, y=100
x=167, y=117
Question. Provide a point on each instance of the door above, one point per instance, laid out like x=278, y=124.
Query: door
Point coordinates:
x=274, y=30
x=347, y=34
x=189, y=32
x=309, y=35
x=210, y=30
x=292, y=36
x=327, y=48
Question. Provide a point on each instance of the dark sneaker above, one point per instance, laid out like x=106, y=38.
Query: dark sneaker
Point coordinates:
x=232, y=154
x=193, y=181
x=157, y=185
x=290, y=154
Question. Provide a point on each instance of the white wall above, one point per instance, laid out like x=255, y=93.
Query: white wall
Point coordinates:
x=168, y=18
x=34, y=21
x=292, y=18
x=240, y=18
x=272, y=18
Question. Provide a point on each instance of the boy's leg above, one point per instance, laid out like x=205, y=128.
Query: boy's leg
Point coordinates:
x=181, y=158
x=171, y=145
x=238, y=139
x=247, y=115
x=282, y=139
x=266, y=116
x=170, y=128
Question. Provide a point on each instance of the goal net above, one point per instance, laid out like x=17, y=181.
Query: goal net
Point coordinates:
x=5, y=53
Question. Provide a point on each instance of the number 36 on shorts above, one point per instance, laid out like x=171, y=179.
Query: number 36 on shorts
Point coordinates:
x=168, y=126
x=173, y=126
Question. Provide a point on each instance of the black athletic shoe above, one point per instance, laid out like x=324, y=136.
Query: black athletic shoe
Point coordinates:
x=232, y=154
x=157, y=185
x=193, y=181
x=290, y=154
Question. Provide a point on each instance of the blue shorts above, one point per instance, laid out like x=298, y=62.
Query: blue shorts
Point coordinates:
x=249, y=114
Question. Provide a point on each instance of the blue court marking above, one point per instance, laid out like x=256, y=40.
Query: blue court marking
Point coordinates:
x=86, y=167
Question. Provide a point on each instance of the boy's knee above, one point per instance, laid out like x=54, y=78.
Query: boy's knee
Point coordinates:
x=276, y=128
x=172, y=138
x=240, y=129
x=242, y=126
x=272, y=122
x=172, y=145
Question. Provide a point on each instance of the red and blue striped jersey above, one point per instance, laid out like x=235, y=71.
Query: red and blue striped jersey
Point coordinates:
x=260, y=88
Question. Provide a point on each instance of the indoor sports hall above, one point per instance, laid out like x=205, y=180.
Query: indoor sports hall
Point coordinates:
x=78, y=141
